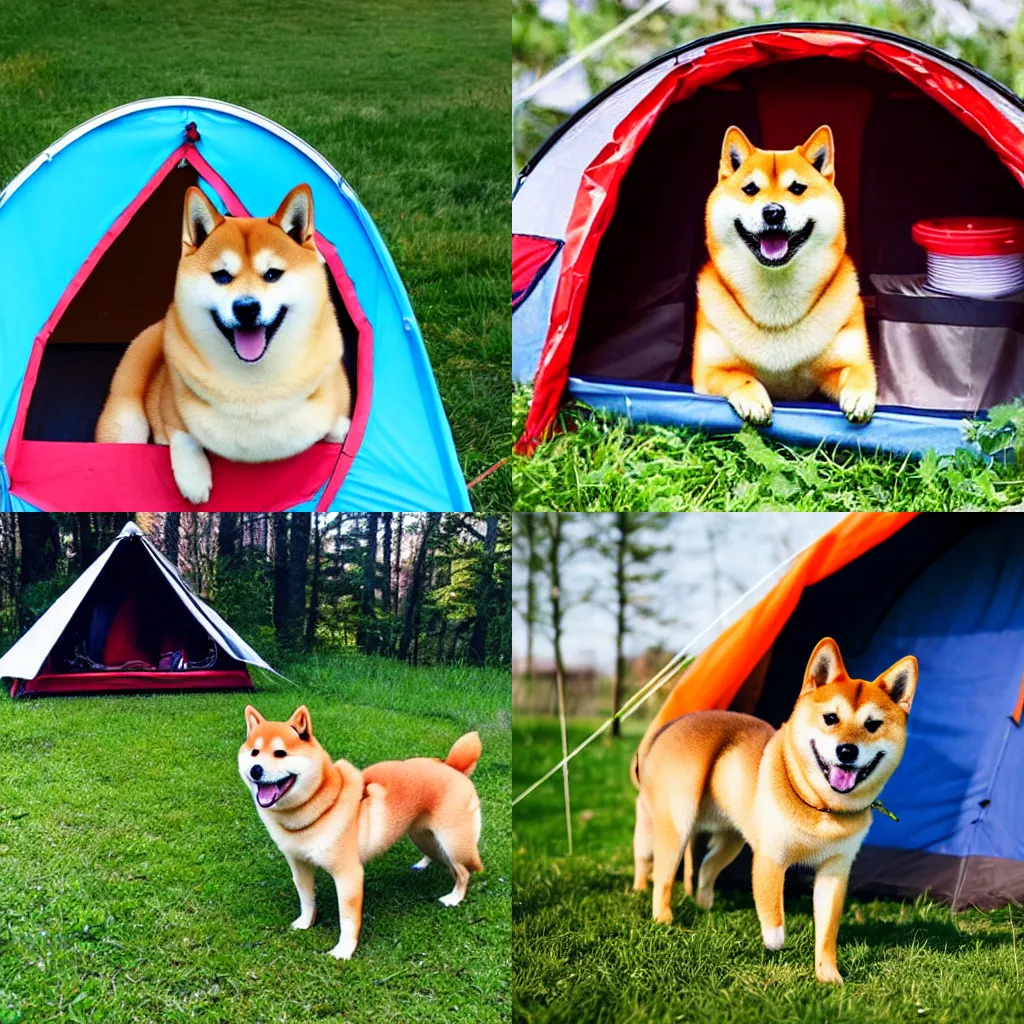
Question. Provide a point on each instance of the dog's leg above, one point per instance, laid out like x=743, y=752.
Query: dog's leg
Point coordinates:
x=855, y=389
x=303, y=875
x=349, y=884
x=669, y=842
x=343, y=403
x=643, y=845
x=769, y=879
x=191, y=468
x=461, y=875
x=422, y=864
x=722, y=851
x=829, y=894
x=688, y=866
x=744, y=392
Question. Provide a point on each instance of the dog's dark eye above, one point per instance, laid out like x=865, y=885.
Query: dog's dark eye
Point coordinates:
x=272, y=275
x=750, y=189
x=831, y=718
x=797, y=188
x=221, y=277
x=255, y=753
x=280, y=753
x=873, y=724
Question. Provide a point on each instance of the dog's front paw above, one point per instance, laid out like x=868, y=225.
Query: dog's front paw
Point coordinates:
x=191, y=468
x=344, y=949
x=858, y=405
x=705, y=898
x=663, y=916
x=753, y=404
x=774, y=938
x=828, y=974
x=303, y=921
x=340, y=430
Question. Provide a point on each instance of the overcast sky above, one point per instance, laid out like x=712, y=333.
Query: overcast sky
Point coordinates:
x=715, y=558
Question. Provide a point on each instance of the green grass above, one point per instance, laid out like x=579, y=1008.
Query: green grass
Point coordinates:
x=597, y=462
x=409, y=100
x=586, y=948
x=138, y=884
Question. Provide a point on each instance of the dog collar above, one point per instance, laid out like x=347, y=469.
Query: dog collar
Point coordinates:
x=875, y=805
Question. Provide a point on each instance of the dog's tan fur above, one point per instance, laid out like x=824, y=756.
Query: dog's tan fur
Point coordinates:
x=338, y=818
x=783, y=331
x=184, y=384
x=737, y=778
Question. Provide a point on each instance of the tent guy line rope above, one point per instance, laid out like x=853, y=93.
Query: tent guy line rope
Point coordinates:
x=679, y=661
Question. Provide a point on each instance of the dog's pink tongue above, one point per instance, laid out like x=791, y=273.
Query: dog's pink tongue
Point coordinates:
x=774, y=246
x=842, y=779
x=266, y=793
x=250, y=342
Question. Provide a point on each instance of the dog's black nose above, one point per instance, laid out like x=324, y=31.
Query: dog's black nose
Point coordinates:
x=256, y=772
x=247, y=310
x=847, y=752
x=774, y=214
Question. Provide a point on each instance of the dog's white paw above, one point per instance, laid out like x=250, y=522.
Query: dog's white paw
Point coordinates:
x=191, y=468
x=132, y=427
x=774, y=938
x=858, y=406
x=453, y=899
x=344, y=949
x=303, y=921
x=753, y=404
x=705, y=898
x=828, y=974
x=422, y=864
x=340, y=430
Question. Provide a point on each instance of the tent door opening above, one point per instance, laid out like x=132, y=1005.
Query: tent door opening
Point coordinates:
x=900, y=157
x=130, y=288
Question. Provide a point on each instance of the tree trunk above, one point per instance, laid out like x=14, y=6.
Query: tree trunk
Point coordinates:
x=313, y=615
x=282, y=588
x=85, y=543
x=484, y=595
x=227, y=536
x=172, y=533
x=621, y=596
x=410, y=628
x=367, y=624
x=298, y=551
x=397, y=588
x=385, y=573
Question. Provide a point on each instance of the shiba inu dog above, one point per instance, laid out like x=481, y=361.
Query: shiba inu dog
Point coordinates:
x=329, y=814
x=779, y=313
x=247, y=362
x=799, y=795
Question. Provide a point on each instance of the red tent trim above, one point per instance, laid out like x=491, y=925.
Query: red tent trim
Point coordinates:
x=86, y=476
x=600, y=183
x=531, y=257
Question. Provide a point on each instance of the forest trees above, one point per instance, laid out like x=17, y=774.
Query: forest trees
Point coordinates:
x=422, y=587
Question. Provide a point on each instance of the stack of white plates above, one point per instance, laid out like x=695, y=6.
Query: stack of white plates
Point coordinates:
x=981, y=277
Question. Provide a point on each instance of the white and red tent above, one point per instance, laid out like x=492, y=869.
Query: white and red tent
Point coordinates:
x=607, y=216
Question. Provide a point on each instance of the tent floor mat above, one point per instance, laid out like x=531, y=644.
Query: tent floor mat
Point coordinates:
x=68, y=683
x=897, y=431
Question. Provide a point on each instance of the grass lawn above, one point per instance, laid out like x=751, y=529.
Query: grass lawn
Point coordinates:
x=409, y=100
x=587, y=950
x=599, y=463
x=138, y=884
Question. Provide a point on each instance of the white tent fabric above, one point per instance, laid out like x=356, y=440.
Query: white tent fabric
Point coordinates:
x=27, y=656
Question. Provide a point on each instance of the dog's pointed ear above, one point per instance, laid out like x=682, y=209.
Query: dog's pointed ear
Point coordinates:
x=900, y=682
x=735, y=149
x=253, y=719
x=825, y=666
x=820, y=152
x=295, y=215
x=201, y=217
x=302, y=723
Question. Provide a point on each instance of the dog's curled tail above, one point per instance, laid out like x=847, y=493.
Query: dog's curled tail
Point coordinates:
x=465, y=753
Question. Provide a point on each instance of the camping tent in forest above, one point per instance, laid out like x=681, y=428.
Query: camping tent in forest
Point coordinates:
x=608, y=228
x=128, y=623
x=109, y=197
x=949, y=589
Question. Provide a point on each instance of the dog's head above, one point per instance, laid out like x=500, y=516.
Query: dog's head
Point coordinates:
x=772, y=208
x=280, y=762
x=847, y=735
x=250, y=290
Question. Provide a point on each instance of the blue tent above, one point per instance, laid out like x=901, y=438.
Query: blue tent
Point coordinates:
x=948, y=589
x=85, y=267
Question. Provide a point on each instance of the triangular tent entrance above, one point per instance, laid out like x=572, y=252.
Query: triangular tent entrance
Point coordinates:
x=129, y=622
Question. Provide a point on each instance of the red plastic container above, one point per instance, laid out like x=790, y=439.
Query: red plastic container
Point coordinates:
x=970, y=236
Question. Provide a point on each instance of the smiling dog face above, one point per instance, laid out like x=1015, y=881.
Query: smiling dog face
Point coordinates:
x=848, y=734
x=250, y=290
x=280, y=762
x=773, y=209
